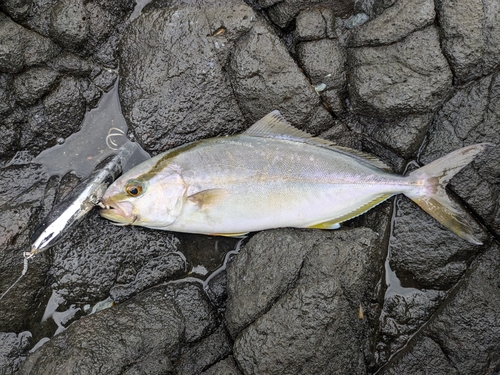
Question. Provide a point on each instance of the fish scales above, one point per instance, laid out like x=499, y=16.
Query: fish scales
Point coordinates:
x=274, y=175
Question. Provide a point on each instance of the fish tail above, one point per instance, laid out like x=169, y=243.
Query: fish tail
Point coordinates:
x=432, y=196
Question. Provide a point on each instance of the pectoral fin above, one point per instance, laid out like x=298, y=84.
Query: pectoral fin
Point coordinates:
x=208, y=197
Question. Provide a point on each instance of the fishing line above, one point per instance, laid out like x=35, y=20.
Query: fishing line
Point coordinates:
x=26, y=256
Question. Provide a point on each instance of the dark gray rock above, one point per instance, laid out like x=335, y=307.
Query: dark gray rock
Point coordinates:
x=17, y=9
x=463, y=337
x=471, y=116
x=324, y=63
x=224, y=367
x=69, y=63
x=13, y=350
x=85, y=28
x=315, y=326
x=313, y=24
x=69, y=24
x=404, y=135
x=429, y=358
x=423, y=252
x=142, y=335
x=293, y=336
x=22, y=48
x=65, y=105
x=34, y=84
x=283, y=12
x=27, y=197
x=471, y=37
x=253, y=285
x=99, y=258
x=403, y=315
x=394, y=24
x=173, y=88
x=6, y=100
x=216, y=288
x=200, y=317
x=408, y=77
x=211, y=349
x=264, y=78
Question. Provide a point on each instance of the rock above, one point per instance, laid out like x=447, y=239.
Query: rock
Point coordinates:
x=252, y=293
x=471, y=37
x=404, y=136
x=315, y=23
x=224, y=367
x=69, y=24
x=396, y=80
x=283, y=12
x=27, y=197
x=403, y=315
x=22, y=48
x=173, y=87
x=6, y=100
x=199, y=314
x=99, y=259
x=208, y=351
x=394, y=24
x=264, y=78
x=63, y=106
x=293, y=336
x=216, y=288
x=313, y=326
x=34, y=84
x=423, y=252
x=324, y=62
x=463, y=338
x=141, y=335
x=12, y=351
x=471, y=116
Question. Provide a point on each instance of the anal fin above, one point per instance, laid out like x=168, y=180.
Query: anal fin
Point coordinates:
x=234, y=235
x=335, y=223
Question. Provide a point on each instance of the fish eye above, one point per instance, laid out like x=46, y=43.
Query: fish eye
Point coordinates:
x=133, y=189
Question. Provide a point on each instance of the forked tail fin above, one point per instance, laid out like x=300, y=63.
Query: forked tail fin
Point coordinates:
x=432, y=196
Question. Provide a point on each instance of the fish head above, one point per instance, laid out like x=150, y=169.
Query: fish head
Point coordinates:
x=153, y=200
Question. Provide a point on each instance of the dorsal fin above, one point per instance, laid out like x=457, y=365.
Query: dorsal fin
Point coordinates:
x=274, y=125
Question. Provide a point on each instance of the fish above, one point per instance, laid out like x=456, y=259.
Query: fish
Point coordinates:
x=274, y=175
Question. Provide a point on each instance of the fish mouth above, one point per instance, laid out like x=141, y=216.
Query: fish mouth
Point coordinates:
x=118, y=212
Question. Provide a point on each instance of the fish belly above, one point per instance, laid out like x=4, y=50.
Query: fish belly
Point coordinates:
x=295, y=206
x=273, y=183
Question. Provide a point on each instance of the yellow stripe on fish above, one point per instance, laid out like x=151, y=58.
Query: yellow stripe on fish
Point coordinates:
x=274, y=175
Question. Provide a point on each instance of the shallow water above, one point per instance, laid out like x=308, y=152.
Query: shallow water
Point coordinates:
x=102, y=132
x=392, y=280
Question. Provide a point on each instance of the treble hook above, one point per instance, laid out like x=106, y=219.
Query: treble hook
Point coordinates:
x=109, y=140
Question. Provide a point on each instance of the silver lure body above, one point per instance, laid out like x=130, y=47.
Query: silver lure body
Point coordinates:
x=80, y=201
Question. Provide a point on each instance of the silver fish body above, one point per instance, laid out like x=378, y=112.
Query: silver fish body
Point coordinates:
x=273, y=175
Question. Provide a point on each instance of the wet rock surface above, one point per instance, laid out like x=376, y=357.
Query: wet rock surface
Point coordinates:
x=314, y=326
x=392, y=291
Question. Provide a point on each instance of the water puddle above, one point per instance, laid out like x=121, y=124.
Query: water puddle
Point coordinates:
x=392, y=281
x=139, y=5
x=103, y=131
